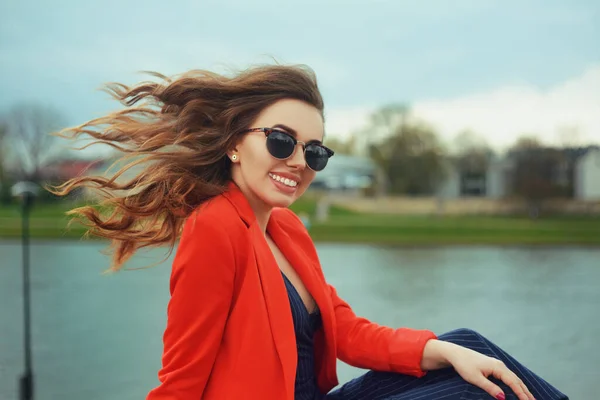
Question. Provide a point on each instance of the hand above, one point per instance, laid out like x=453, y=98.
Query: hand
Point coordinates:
x=475, y=368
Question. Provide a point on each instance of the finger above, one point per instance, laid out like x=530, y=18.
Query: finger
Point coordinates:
x=513, y=382
x=526, y=390
x=489, y=387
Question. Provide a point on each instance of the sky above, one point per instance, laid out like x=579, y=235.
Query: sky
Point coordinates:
x=499, y=68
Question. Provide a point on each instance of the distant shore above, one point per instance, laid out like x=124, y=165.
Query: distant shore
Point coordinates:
x=346, y=226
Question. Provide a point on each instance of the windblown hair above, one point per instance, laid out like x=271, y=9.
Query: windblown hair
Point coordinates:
x=178, y=131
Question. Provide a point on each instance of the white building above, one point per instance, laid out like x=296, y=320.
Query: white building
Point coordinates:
x=587, y=176
x=493, y=183
x=497, y=179
x=346, y=173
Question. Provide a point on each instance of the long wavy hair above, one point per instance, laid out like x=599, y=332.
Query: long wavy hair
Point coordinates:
x=176, y=132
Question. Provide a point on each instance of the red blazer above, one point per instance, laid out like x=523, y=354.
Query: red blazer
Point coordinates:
x=230, y=333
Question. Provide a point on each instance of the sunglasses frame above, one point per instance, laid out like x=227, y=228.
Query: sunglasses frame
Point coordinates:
x=268, y=131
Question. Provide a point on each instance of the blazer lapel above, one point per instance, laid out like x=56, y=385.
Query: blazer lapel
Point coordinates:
x=299, y=261
x=273, y=289
x=274, y=292
x=278, y=308
x=304, y=266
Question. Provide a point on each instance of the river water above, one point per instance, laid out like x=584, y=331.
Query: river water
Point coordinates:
x=99, y=336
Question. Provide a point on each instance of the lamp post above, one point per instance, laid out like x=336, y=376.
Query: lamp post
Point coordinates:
x=26, y=192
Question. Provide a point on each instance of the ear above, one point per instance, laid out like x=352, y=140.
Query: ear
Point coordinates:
x=233, y=155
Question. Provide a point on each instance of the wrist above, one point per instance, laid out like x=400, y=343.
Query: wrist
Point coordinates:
x=437, y=354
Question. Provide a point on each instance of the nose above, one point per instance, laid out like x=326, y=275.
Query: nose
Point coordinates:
x=297, y=159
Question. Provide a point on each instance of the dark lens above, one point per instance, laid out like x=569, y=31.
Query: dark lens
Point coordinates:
x=280, y=145
x=316, y=157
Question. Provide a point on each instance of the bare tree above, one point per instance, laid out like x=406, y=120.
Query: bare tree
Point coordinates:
x=29, y=141
x=382, y=123
x=3, y=132
x=342, y=146
x=4, y=191
x=527, y=142
x=570, y=136
x=536, y=168
x=411, y=158
x=472, y=157
x=472, y=151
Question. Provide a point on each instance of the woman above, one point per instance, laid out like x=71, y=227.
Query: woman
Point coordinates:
x=251, y=315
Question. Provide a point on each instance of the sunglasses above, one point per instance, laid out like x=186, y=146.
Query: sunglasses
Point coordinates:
x=282, y=146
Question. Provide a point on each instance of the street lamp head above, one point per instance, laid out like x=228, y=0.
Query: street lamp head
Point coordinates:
x=25, y=188
x=25, y=191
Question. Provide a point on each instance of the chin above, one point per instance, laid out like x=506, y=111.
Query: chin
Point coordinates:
x=281, y=201
x=274, y=198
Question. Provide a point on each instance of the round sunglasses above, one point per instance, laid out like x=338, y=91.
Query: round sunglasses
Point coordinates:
x=282, y=145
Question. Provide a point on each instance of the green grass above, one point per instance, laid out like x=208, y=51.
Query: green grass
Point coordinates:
x=53, y=210
x=49, y=221
x=347, y=226
x=398, y=229
x=46, y=221
x=454, y=231
x=308, y=206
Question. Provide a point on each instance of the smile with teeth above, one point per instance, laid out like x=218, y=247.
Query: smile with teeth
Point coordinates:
x=285, y=181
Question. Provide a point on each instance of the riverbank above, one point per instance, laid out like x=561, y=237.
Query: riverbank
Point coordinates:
x=346, y=226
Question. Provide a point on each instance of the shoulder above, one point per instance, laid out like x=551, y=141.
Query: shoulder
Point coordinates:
x=212, y=233
x=216, y=216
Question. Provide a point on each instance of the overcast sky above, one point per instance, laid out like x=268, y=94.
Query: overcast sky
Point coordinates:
x=501, y=68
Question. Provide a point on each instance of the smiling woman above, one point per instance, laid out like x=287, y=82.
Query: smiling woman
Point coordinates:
x=183, y=131
x=251, y=314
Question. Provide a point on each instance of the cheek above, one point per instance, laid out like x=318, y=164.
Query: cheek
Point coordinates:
x=256, y=160
x=257, y=166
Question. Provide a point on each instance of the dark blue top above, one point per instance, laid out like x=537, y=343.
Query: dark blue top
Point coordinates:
x=305, y=326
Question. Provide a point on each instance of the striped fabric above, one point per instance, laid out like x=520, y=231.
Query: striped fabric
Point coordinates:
x=442, y=384
x=305, y=325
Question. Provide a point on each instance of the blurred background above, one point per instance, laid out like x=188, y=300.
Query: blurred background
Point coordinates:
x=465, y=189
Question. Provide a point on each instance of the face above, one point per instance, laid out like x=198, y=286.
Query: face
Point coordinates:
x=265, y=180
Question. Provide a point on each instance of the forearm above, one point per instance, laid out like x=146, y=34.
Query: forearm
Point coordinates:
x=367, y=345
x=437, y=355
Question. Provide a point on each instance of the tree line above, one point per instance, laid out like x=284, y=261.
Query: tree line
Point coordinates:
x=415, y=161
x=27, y=145
x=412, y=158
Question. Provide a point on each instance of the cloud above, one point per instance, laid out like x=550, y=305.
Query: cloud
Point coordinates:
x=566, y=112
x=504, y=114
x=342, y=122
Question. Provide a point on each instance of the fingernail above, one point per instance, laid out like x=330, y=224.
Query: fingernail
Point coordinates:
x=500, y=396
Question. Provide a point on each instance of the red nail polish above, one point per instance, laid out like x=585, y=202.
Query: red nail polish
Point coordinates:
x=500, y=396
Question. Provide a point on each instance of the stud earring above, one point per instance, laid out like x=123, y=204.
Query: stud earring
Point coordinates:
x=234, y=157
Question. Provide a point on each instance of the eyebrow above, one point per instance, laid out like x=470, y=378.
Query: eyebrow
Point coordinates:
x=292, y=132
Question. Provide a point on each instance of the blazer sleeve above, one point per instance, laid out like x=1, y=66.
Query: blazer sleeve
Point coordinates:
x=360, y=342
x=364, y=344
x=201, y=287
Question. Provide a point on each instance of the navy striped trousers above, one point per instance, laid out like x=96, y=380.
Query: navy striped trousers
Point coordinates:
x=445, y=383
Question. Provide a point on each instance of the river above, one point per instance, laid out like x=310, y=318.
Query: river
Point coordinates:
x=98, y=337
